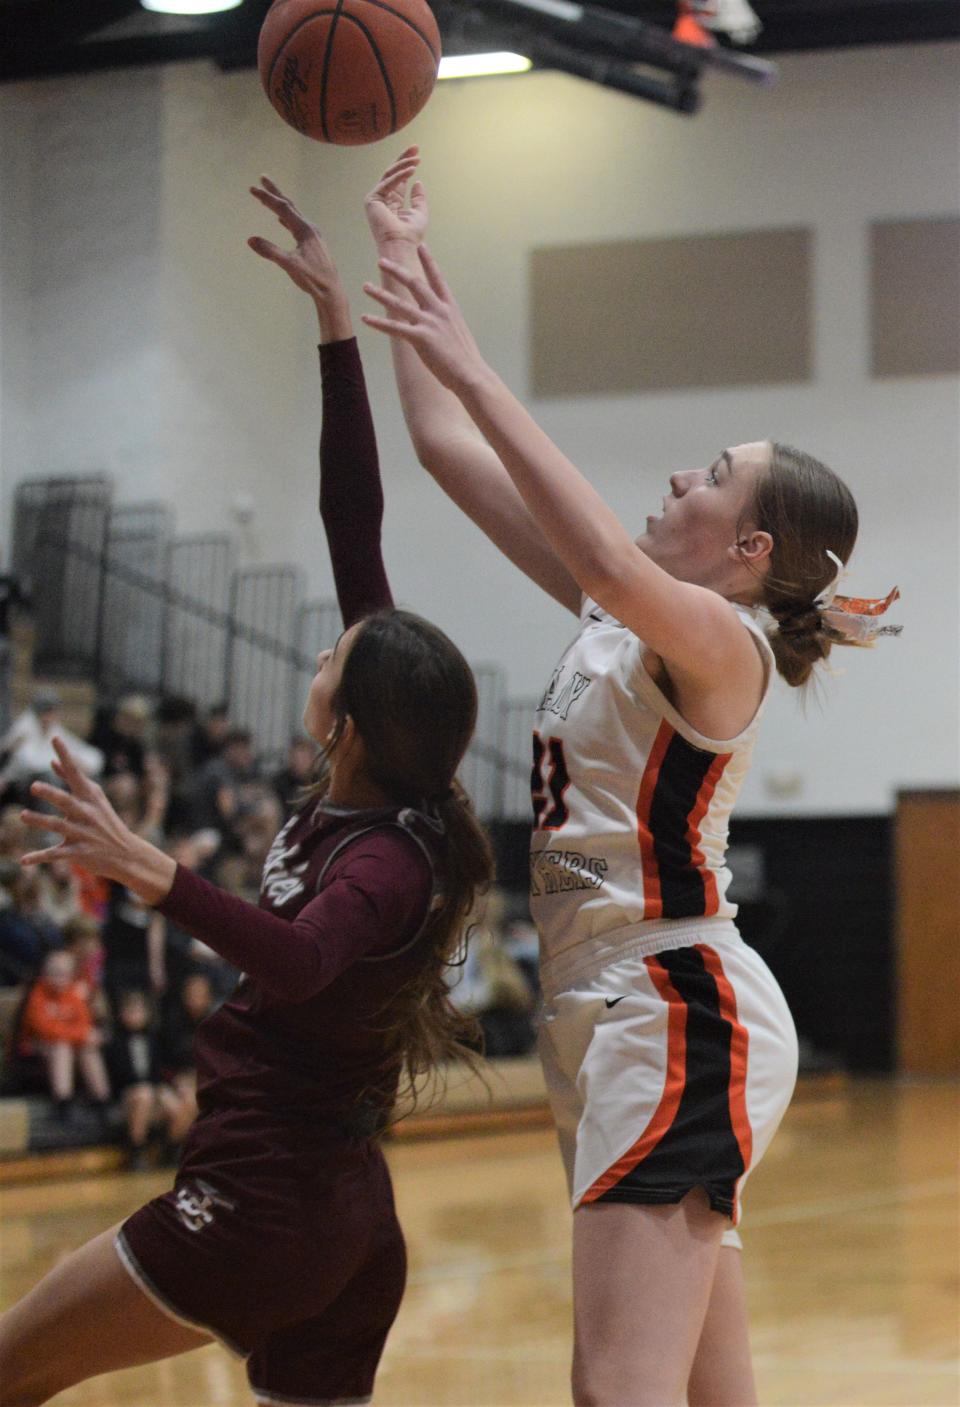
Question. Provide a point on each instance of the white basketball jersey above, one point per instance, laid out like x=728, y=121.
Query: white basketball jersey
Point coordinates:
x=631, y=804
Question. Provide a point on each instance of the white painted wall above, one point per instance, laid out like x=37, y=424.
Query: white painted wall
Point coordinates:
x=141, y=337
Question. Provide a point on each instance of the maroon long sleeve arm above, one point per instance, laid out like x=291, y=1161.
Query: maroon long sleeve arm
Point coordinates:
x=375, y=899
x=351, y=496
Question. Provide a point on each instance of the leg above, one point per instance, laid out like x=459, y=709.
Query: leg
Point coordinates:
x=138, y=1105
x=94, y=1072
x=179, y=1112
x=722, y=1374
x=59, y=1333
x=641, y=1283
x=60, y=1069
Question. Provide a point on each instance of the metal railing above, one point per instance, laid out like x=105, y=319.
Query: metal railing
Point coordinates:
x=119, y=599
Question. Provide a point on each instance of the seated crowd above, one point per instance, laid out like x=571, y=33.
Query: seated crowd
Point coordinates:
x=101, y=992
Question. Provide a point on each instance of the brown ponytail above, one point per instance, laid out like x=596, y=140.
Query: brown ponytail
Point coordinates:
x=413, y=700
x=808, y=511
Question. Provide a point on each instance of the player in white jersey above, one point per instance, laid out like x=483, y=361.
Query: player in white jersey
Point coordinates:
x=669, y=1051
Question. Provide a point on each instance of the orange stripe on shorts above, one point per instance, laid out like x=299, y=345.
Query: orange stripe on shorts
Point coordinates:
x=673, y=1085
x=739, y=1043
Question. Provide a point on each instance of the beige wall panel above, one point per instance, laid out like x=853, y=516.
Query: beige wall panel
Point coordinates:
x=915, y=297
x=664, y=314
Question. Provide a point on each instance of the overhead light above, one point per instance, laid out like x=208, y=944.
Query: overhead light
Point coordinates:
x=189, y=7
x=482, y=65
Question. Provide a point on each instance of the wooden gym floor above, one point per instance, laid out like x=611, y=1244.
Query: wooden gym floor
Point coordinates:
x=851, y=1240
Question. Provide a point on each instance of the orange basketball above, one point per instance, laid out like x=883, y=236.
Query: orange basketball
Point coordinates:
x=348, y=71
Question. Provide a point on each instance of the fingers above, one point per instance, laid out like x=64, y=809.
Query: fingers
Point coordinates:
x=43, y=821
x=407, y=160
x=400, y=307
x=266, y=250
x=43, y=857
x=286, y=212
x=420, y=291
x=76, y=780
x=432, y=270
x=403, y=330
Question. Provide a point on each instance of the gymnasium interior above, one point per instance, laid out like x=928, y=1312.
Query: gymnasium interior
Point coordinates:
x=659, y=261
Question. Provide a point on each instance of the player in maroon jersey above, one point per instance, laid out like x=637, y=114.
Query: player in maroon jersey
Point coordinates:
x=279, y=1237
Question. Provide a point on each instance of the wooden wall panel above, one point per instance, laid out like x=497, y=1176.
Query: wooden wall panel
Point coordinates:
x=928, y=931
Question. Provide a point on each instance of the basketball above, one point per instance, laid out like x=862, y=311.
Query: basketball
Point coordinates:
x=348, y=71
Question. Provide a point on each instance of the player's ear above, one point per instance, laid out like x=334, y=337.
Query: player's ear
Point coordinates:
x=752, y=547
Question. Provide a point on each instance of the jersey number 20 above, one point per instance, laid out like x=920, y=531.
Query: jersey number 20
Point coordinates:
x=549, y=808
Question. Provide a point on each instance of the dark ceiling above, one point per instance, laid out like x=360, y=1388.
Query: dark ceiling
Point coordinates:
x=43, y=37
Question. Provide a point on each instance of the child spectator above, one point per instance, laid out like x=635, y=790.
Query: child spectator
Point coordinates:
x=58, y=1025
x=81, y=938
x=133, y=1058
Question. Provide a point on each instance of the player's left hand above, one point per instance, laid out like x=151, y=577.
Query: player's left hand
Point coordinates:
x=93, y=835
x=309, y=264
x=428, y=317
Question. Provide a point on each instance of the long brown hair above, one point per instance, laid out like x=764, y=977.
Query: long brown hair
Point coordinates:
x=413, y=701
x=808, y=510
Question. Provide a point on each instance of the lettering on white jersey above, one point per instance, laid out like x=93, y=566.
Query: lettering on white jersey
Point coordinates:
x=283, y=881
x=558, y=871
x=562, y=694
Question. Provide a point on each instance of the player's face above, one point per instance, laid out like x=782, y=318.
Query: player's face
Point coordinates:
x=702, y=513
x=318, y=716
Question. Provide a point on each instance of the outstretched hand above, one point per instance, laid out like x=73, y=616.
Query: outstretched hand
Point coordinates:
x=92, y=834
x=390, y=217
x=309, y=264
x=425, y=314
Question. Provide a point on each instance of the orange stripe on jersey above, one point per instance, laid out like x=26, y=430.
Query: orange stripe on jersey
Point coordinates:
x=739, y=1043
x=673, y=1085
x=711, y=898
x=652, y=898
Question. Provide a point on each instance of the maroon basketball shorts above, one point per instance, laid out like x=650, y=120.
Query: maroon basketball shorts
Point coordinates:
x=292, y=1257
x=667, y=1069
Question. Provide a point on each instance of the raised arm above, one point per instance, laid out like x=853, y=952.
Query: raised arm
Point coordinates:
x=693, y=629
x=351, y=497
x=447, y=442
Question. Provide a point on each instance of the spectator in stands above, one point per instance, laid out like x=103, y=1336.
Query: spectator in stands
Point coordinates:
x=60, y=896
x=120, y=734
x=492, y=987
x=195, y=1002
x=210, y=735
x=183, y=954
x=15, y=838
x=27, y=748
x=26, y=933
x=175, y=722
x=225, y=788
x=142, y=802
x=81, y=938
x=297, y=772
x=134, y=942
x=58, y=1025
x=133, y=1058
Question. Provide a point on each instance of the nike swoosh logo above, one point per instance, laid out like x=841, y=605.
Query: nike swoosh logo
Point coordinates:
x=612, y=1001
x=593, y=616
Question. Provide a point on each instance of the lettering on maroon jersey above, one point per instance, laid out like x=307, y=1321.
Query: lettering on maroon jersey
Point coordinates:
x=282, y=881
x=562, y=694
x=558, y=871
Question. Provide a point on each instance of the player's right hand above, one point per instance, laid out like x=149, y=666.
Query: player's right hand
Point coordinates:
x=391, y=218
